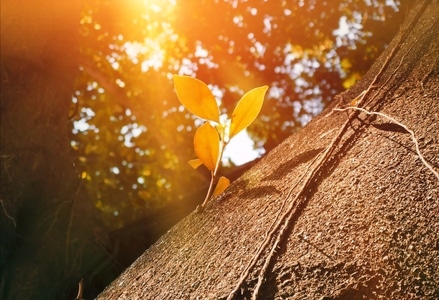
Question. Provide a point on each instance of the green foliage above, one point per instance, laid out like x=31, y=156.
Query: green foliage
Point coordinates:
x=210, y=141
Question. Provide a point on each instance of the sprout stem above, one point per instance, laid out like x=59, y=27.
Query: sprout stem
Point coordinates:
x=213, y=175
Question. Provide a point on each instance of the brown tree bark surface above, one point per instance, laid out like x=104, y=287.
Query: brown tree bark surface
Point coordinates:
x=344, y=209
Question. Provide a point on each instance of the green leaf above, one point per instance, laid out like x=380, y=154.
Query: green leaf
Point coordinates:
x=247, y=110
x=196, y=97
x=195, y=163
x=206, y=145
x=222, y=184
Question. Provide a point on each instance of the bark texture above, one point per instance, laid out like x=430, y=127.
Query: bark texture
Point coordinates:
x=344, y=209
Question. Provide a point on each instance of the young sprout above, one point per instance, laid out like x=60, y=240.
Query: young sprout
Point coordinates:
x=212, y=137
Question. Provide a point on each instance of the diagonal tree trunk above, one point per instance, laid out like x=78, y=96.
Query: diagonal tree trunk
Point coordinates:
x=347, y=208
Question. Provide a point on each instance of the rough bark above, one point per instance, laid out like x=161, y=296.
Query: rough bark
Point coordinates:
x=49, y=238
x=344, y=209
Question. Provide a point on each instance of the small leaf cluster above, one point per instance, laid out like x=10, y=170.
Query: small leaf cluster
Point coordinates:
x=212, y=137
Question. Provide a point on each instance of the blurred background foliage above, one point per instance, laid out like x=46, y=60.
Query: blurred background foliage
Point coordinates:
x=131, y=135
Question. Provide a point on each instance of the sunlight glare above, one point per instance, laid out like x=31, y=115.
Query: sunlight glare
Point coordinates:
x=240, y=150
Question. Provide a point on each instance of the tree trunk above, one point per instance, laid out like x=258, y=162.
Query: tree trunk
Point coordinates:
x=49, y=238
x=344, y=209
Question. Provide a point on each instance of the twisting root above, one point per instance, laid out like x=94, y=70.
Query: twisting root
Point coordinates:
x=412, y=134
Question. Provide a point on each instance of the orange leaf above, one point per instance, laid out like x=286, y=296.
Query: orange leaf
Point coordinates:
x=247, y=110
x=196, y=97
x=195, y=163
x=222, y=184
x=206, y=145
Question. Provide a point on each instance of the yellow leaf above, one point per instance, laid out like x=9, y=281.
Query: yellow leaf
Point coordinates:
x=206, y=145
x=195, y=163
x=351, y=80
x=196, y=97
x=247, y=110
x=222, y=184
x=346, y=64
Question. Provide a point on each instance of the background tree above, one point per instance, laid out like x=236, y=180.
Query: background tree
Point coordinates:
x=346, y=208
x=49, y=234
